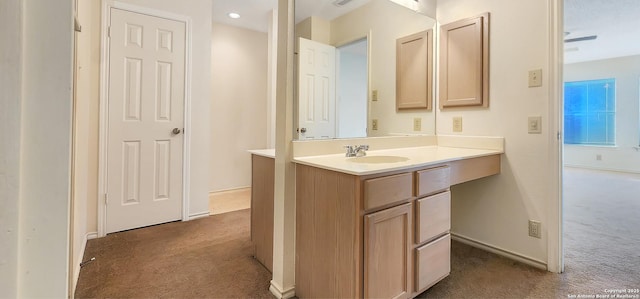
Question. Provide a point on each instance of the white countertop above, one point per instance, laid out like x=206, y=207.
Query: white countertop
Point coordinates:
x=417, y=157
x=269, y=153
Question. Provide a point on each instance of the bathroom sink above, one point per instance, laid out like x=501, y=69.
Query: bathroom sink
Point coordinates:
x=378, y=159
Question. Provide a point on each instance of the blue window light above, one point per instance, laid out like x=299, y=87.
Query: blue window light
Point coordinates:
x=590, y=112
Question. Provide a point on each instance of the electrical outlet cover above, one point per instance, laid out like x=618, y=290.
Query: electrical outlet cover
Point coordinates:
x=417, y=124
x=535, y=229
x=457, y=124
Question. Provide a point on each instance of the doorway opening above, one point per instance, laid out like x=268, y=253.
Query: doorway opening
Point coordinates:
x=601, y=115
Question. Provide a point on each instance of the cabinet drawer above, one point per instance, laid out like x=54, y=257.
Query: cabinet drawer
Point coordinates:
x=431, y=181
x=433, y=263
x=387, y=190
x=433, y=216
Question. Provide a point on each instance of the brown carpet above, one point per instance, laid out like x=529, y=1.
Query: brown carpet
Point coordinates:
x=211, y=257
x=204, y=258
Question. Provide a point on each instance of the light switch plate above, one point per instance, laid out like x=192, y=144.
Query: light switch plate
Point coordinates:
x=374, y=124
x=417, y=124
x=534, y=124
x=535, y=78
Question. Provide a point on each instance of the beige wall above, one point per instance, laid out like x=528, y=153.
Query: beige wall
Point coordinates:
x=495, y=211
x=624, y=156
x=10, y=101
x=398, y=22
x=87, y=99
x=314, y=28
x=239, y=110
x=45, y=153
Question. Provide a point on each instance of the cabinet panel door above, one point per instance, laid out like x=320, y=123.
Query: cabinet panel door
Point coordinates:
x=387, y=253
x=464, y=63
x=414, y=70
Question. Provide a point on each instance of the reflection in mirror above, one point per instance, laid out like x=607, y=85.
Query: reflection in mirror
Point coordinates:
x=352, y=88
x=346, y=69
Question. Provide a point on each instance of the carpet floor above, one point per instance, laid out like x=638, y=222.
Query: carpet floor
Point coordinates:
x=211, y=257
x=205, y=258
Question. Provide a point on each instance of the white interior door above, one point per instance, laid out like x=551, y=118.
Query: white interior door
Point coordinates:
x=316, y=90
x=146, y=104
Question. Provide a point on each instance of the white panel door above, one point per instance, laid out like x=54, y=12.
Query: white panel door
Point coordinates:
x=316, y=90
x=146, y=103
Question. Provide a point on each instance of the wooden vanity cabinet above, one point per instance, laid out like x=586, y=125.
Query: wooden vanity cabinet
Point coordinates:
x=377, y=236
x=262, y=182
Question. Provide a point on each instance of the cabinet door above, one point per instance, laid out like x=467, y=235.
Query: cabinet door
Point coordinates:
x=387, y=252
x=414, y=71
x=464, y=63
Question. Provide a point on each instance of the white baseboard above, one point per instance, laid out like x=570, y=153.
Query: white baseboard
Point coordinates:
x=277, y=291
x=499, y=251
x=589, y=167
x=229, y=190
x=198, y=215
x=76, y=267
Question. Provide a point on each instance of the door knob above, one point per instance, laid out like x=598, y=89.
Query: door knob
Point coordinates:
x=175, y=131
x=303, y=130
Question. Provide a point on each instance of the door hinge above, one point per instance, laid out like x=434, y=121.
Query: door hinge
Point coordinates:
x=559, y=135
x=109, y=31
x=105, y=199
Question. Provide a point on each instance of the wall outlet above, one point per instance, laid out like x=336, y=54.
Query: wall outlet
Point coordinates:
x=535, y=229
x=457, y=124
x=599, y=157
x=374, y=95
x=374, y=124
x=417, y=124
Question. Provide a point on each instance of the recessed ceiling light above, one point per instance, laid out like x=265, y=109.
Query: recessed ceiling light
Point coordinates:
x=234, y=15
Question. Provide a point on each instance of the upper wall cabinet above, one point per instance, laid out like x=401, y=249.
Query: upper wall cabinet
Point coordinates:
x=464, y=63
x=414, y=69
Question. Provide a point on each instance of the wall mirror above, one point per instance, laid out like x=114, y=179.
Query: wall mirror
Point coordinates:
x=345, y=71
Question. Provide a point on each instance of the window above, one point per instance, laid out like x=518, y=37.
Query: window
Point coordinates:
x=590, y=112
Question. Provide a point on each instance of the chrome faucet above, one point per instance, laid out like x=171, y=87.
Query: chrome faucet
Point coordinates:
x=356, y=150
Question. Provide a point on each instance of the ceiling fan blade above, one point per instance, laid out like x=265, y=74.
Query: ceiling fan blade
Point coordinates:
x=579, y=39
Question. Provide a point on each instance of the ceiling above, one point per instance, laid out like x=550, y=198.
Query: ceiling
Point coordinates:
x=254, y=14
x=615, y=22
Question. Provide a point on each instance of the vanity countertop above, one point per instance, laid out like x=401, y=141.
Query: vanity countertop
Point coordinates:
x=269, y=153
x=412, y=156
